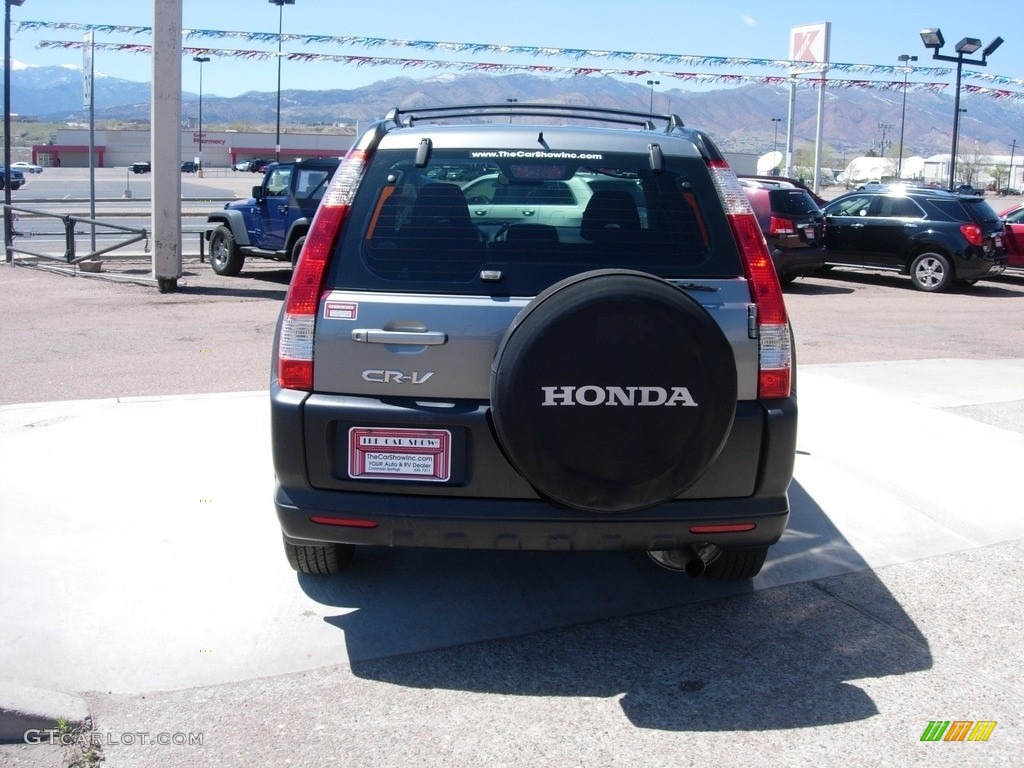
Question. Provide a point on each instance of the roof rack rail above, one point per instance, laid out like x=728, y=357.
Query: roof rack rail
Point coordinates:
x=645, y=120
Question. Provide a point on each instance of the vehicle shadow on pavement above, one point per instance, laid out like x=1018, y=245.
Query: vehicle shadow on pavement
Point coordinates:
x=986, y=288
x=680, y=654
x=807, y=287
x=241, y=293
x=251, y=284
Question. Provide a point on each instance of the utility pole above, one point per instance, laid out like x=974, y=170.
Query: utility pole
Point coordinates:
x=1013, y=151
x=885, y=127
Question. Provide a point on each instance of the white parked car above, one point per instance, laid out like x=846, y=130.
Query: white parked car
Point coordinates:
x=27, y=167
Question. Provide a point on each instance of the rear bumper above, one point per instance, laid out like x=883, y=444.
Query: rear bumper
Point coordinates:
x=496, y=512
x=976, y=263
x=516, y=524
x=798, y=261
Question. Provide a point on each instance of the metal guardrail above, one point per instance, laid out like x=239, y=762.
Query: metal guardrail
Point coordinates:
x=71, y=251
x=69, y=222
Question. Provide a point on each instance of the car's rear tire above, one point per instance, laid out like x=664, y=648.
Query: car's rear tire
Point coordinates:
x=931, y=272
x=736, y=564
x=319, y=559
x=225, y=257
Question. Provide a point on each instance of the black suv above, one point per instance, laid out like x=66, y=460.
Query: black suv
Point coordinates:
x=791, y=222
x=618, y=377
x=935, y=236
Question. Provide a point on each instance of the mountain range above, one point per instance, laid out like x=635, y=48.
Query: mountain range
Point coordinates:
x=740, y=119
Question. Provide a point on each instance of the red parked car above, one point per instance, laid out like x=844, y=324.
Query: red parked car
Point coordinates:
x=1013, y=235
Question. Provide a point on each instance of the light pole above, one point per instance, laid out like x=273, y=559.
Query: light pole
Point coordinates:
x=933, y=39
x=904, y=58
x=8, y=214
x=280, y=18
x=511, y=101
x=202, y=60
x=775, y=146
x=653, y=83
x=961, y=111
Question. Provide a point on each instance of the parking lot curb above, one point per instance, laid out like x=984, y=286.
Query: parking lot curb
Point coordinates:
x=25, y=708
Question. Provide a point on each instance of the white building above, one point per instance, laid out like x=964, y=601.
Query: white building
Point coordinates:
x=220, y=149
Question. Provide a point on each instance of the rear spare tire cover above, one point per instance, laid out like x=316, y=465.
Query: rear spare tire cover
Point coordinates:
x=613, y=391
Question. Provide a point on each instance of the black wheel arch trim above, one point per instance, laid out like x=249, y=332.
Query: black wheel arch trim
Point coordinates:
x=233, y=220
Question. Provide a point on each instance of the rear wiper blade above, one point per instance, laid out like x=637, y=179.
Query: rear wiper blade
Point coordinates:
x=694, y=286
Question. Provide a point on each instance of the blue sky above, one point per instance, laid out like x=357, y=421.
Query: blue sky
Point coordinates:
x=865, y=32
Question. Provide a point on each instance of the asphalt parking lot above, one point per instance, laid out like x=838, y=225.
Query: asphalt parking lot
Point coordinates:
x=141, y=572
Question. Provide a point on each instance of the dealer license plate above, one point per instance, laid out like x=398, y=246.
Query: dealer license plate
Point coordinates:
x=399, y=454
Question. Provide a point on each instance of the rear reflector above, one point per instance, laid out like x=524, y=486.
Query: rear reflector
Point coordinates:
x=345, y=522
x=731, y=528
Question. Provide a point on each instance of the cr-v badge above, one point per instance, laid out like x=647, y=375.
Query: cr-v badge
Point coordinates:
x=380, y=376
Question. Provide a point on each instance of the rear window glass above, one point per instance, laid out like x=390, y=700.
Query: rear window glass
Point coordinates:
x=958, y=209
x=981, y=211
x=795, y=202
x=517, y=224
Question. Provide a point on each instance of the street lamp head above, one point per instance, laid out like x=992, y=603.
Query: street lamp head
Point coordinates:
x=281, y=2
x=932, y=38
x=201, y=59
x=968, y=45
x=905, y=57
x=991, y=47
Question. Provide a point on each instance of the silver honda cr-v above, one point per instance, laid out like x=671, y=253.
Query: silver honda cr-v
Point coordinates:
x=589, y=351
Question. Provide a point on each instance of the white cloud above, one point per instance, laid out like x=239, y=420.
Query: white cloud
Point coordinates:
x=750, y=21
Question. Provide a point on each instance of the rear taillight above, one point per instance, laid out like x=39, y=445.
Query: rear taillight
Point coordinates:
x=973, y=234
x=775, y=353
x=781, y=226
x=295, y=347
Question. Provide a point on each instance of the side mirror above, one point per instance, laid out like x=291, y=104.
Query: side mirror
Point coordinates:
x=257, y=192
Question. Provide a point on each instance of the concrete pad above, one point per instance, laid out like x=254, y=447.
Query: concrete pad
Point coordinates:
x=141, y=550
x=25, y=709
x=843, y=671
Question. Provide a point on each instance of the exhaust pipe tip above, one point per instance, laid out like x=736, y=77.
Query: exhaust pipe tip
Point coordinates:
x=679, y=561
x=693, y=561
x=695, y=567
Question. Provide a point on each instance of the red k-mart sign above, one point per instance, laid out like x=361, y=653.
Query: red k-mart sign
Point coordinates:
x=810, y=43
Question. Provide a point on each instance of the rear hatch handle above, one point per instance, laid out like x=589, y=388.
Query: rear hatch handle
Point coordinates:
x=413, y=338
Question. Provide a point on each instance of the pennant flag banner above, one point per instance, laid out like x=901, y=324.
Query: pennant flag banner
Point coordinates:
x=671, y=59
x=703, y=78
